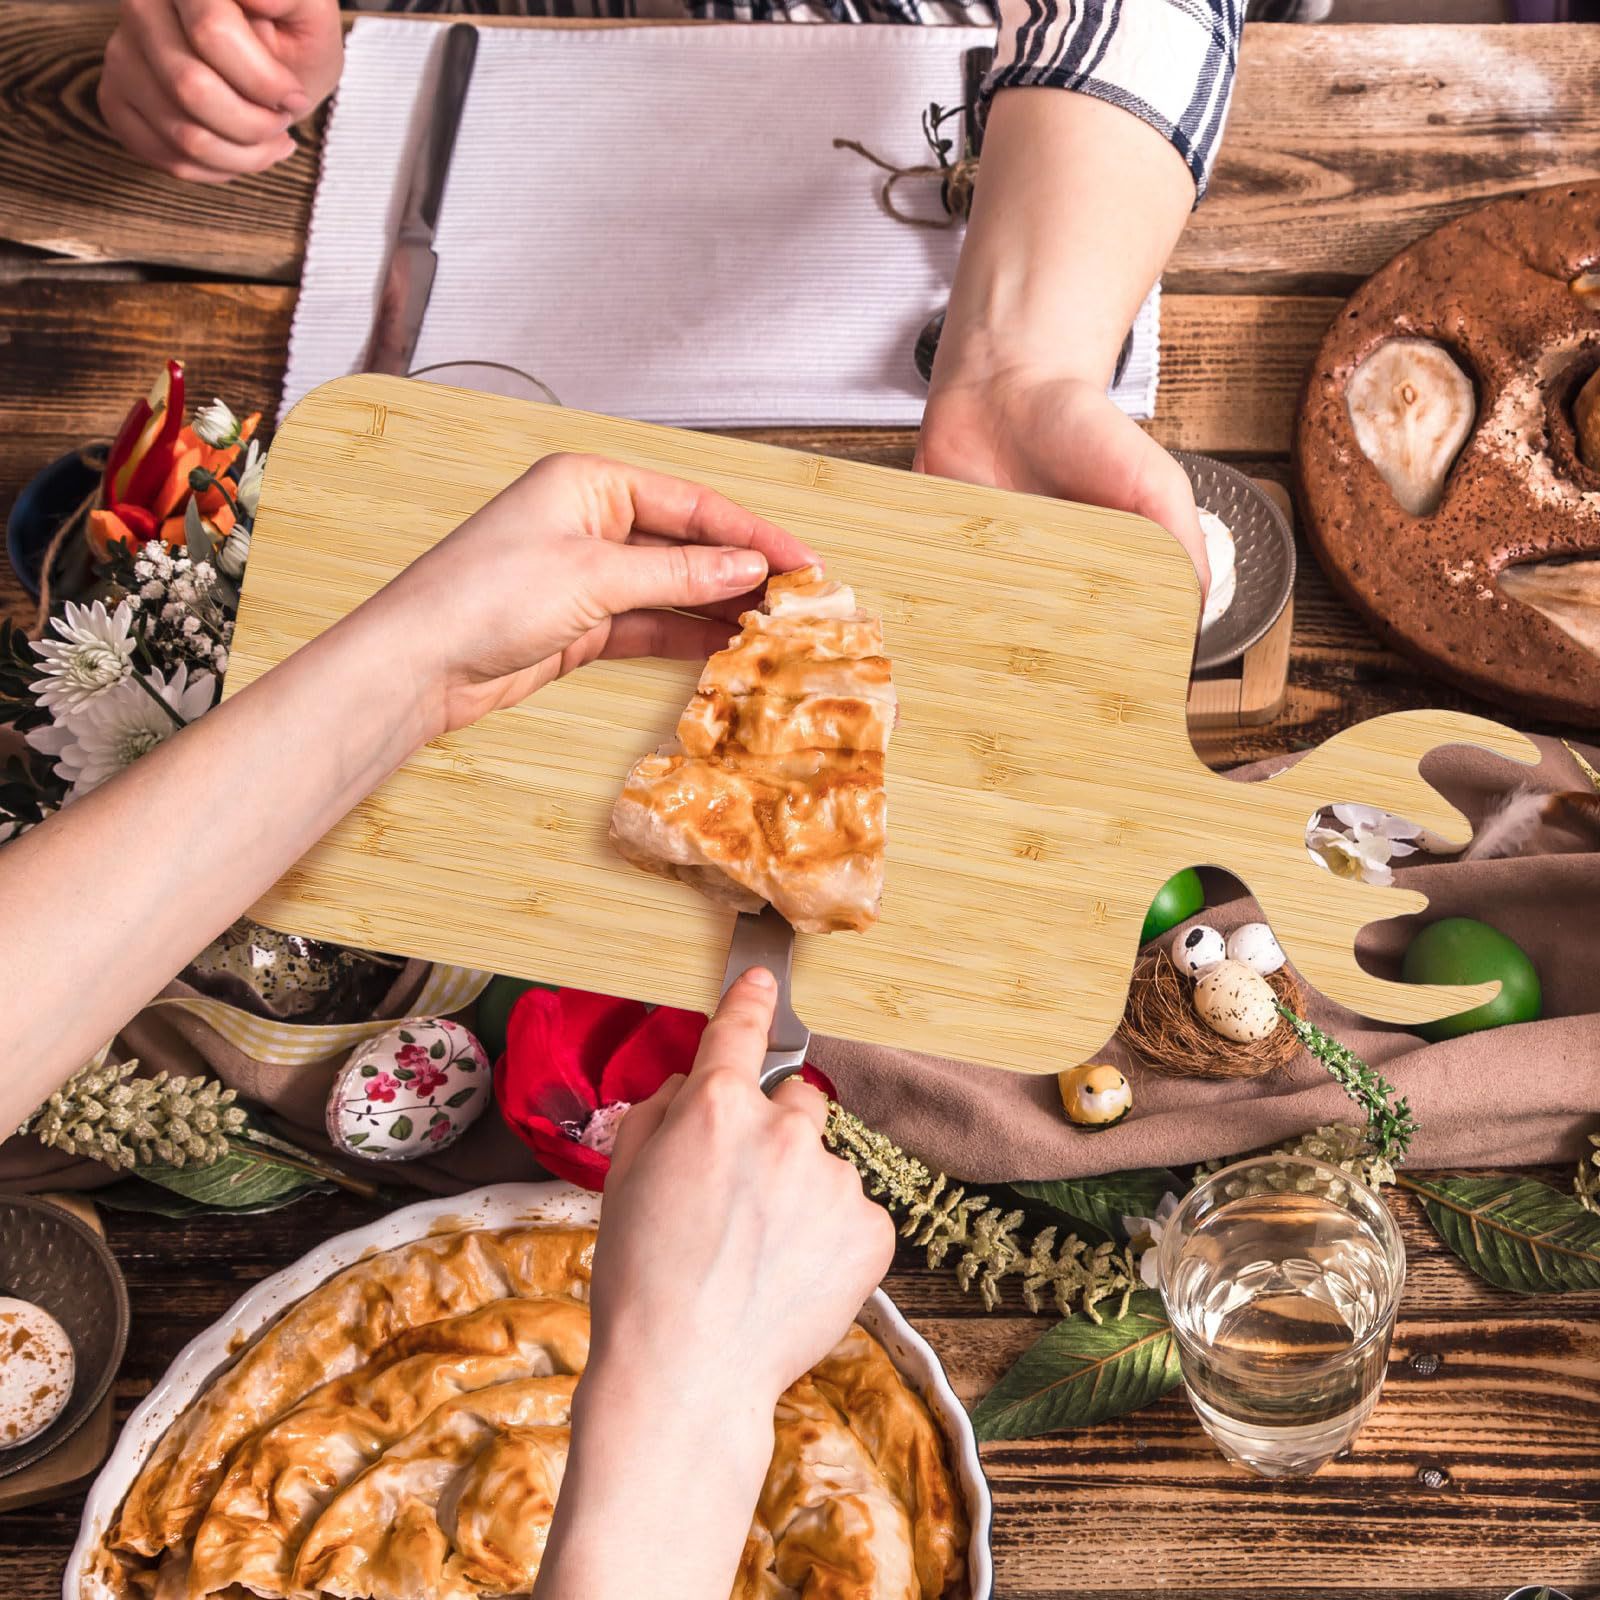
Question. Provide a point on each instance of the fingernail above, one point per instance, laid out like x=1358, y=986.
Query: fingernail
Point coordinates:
x=760, y=978
x=295, y=104
x=742, y=566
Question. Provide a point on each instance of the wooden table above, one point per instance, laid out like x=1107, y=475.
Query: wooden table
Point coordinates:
x=1344, y=143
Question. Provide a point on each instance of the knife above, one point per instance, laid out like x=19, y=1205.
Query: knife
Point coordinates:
x=408, y=279
x=764, y=939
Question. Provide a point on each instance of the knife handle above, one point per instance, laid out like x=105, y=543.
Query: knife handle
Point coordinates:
x=439, y=140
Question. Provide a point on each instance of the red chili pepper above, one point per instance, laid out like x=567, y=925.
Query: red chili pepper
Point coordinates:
x=151, y=473
x=140, y=522
x=127, y=436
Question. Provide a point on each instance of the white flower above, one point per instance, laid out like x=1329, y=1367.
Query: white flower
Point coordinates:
x=1375, y=839
x=248, y=494
x=216, y=425
x=120, y=726
x=93, y=654
x=1144, y=1234
x=233, y=552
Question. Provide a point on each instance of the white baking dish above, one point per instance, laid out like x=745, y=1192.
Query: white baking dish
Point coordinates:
x=210, y=1352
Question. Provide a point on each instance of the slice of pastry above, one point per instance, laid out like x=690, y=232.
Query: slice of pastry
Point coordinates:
x=774, y=790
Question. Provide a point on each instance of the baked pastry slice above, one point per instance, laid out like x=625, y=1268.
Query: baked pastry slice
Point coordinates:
x=774, y=789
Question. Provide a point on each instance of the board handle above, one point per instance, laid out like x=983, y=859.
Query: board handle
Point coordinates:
x=1316, y=915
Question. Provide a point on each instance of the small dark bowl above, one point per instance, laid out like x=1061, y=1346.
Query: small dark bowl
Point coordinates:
x=44, y=503
x=49, y=1257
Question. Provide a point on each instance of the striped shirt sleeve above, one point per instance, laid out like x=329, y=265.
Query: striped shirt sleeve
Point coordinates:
x=1170, y=62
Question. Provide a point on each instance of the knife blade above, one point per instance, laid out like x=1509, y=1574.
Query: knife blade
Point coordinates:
x=408, y=278
x=764, y=939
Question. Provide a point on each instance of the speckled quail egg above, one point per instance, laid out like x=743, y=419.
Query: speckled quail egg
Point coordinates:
x=1255, y=945
x=1237, y=1002
x=1096, y=1096
x=1197, y=949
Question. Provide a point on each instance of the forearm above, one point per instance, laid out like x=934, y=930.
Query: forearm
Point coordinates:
x=659, y=1490
x=1077, y=207
x=249, y=787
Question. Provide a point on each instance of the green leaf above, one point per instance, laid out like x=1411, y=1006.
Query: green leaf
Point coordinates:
x=400, y=1128
x=407, y=1037
x=404, y=1074
x=353, y=1139
x=1082, y=1372
x=1104, y=1202
x=461, y=1096
x=1516, y=1233
x=238, y=1182
x=369, y=1071
x=436, y=1049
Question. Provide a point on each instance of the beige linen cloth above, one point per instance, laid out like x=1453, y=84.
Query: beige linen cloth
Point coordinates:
x=1511, y=1096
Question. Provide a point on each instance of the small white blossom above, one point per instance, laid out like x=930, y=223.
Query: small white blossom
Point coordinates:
x=248, y=493
x=1375, y=839
x=234, y=552
x=93, y=654
x=216, y=425
x=1144, y=1234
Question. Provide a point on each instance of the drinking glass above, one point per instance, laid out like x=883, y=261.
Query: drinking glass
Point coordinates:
x=488, y=377
x=1281, y=1277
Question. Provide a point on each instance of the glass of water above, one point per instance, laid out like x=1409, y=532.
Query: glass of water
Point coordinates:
x=1281, y=1277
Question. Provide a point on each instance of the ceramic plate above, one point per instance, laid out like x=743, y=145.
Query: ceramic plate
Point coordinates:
x=497, y=1207
x=1264, y=552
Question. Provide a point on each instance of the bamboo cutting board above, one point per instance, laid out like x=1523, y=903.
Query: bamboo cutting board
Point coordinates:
x=1041, y=781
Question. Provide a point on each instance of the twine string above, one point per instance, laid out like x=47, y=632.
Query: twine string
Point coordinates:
x=956, y=180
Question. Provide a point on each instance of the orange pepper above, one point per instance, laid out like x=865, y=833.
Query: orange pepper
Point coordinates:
x=106, y=528
x=172, y=532
x=174, y=490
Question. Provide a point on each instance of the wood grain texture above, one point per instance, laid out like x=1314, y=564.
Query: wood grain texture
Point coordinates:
x=1308, y=193
x=1132, y=1505
x=1042, y=783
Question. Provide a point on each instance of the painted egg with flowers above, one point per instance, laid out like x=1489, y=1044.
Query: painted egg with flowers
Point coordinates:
x=409, y=1092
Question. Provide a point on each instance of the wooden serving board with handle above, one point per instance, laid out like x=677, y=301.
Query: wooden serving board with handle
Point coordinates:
x=1042, y=785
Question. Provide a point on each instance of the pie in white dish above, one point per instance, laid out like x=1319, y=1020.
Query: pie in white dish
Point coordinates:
x=424, y=1461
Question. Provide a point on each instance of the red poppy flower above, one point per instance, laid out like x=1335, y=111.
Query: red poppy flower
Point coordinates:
x=570, y=1054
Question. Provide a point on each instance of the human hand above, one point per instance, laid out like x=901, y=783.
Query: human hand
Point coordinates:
x=208, y=89
x=573, y=561
x=735, y=1249
x=1046, y=434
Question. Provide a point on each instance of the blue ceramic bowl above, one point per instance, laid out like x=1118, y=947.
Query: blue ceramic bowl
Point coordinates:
x=41, y=507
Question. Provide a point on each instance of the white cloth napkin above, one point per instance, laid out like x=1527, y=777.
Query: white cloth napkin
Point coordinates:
x=654, y=222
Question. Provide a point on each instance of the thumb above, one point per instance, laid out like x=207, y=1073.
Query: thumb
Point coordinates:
x=633, y=577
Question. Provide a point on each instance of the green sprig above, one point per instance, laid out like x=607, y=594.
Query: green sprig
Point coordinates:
x=1390, y=1125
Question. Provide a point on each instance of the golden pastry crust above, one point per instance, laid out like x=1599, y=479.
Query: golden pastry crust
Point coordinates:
x=329, y=1333
x=774, y=792
x=284, y=1476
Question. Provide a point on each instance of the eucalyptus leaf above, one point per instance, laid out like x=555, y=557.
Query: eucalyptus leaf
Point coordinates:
x=135, y=1194
x=238, y=1182
x=1516, y=1233
x=1083, y=1372
x=1104, y=1202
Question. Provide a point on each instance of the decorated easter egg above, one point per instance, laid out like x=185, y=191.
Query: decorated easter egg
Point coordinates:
x=1176, y=901
x=409, y=1092
x=1095, y=1096
x=1256, y=946
x=1236, y=1002
x=36, y=1371
x=1196, y=949
x=1461, y=950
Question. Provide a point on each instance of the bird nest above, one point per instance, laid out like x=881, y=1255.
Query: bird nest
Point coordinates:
x=1162, y=1027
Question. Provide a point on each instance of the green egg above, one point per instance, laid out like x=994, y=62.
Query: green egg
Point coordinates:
x=1461, y=950
x=1180, y=896
x=494, y=1011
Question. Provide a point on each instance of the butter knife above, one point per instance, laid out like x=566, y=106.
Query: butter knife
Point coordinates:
x=408, y=278
x=764, y=939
